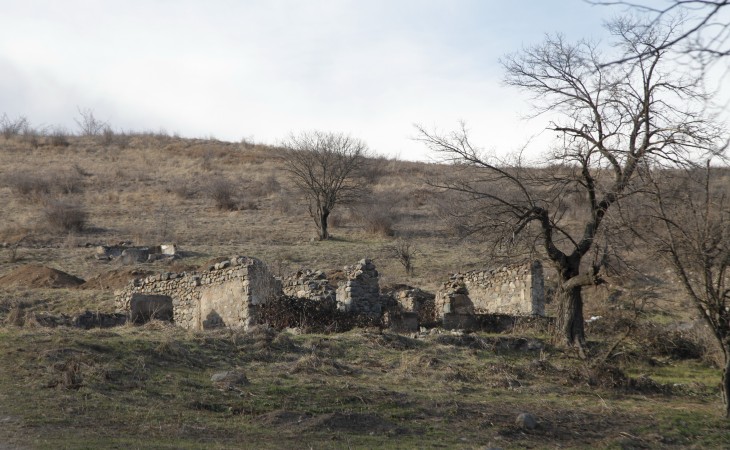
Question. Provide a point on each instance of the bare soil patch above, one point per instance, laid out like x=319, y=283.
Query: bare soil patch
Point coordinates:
x=39, y=277
x=114, y=279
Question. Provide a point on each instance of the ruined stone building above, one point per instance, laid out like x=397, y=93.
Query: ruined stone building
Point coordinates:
x=516, y=290
x=227, y=294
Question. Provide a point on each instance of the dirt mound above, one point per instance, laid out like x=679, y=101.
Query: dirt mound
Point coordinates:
x=114, y=279
x=35, y=277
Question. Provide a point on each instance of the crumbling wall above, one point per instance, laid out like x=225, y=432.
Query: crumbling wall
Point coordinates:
x=414, y=300
x=227, y=294
x=313, y=285
x=360, y=293
x=516, y=290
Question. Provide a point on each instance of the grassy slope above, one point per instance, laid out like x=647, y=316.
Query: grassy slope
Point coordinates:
x=150, y=387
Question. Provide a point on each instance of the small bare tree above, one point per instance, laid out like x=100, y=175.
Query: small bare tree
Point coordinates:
x=686, y=217
x=405, y=252
x=328, y=169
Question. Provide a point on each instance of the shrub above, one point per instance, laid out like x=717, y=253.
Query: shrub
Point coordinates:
x=12, y=127
x=107, y=136
x=182, y=188
x=404, y=251
x=31, y=136
x=69, y=182
x=30, y=186
x=89, y=125
x=64, y=216
x=263, y=188
x=59, y=137
x=312, y=316
x=376, y=220
x=222, y=192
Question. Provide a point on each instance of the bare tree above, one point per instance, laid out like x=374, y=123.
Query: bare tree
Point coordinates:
x=685, y=216
x=706, y=35
x=610, y=121
x=329, y=169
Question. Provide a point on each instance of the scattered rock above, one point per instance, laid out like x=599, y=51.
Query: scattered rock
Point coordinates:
x=526, y=421
x=229, y=379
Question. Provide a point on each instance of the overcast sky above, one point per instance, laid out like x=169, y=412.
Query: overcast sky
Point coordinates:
x=263, y=69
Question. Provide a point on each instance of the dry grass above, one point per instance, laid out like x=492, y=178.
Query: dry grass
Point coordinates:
x=153, y=187
x=401, y=392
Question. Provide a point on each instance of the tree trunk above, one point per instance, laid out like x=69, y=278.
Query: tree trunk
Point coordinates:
x=726, y=382
x=570, y=317
x=323, y=216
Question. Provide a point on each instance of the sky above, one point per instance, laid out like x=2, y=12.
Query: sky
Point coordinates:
x=263, y=69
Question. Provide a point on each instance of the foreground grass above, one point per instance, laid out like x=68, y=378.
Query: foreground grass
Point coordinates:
x=150, y=387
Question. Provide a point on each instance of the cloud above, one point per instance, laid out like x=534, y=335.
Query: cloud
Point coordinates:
x=266, y=68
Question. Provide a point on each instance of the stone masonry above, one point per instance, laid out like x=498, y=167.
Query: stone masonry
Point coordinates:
x=227, y=294
x=360, y=293
x=516, y=290
x=313, y=285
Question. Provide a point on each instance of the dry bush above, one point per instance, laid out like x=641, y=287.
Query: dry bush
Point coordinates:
x=30, y=186
x=223, y=193
x=37, y=186
x=70, y=181
x=12, y=127
x=184, y=189
x=90, y=125
x=65, y=216
x=404, y=251
x=282, y=203
x=377, y=220
x=107, y=136
x=59, y=137
x=264, y=188
x=32, y=136
x=311, y=316
x=336, y=220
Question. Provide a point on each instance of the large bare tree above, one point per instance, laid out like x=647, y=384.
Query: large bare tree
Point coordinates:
x=329, y=169
x=684, y=216
x=610, y=121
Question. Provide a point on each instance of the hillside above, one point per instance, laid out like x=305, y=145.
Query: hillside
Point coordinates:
x=143, y=386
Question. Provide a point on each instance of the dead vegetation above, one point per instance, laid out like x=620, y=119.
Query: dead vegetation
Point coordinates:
x=360, y=388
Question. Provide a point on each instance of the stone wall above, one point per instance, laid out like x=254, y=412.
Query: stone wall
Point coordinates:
x=413, y=300
x=516, y=290
x=313, y=285
x=360, y=293
x=227, y=294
